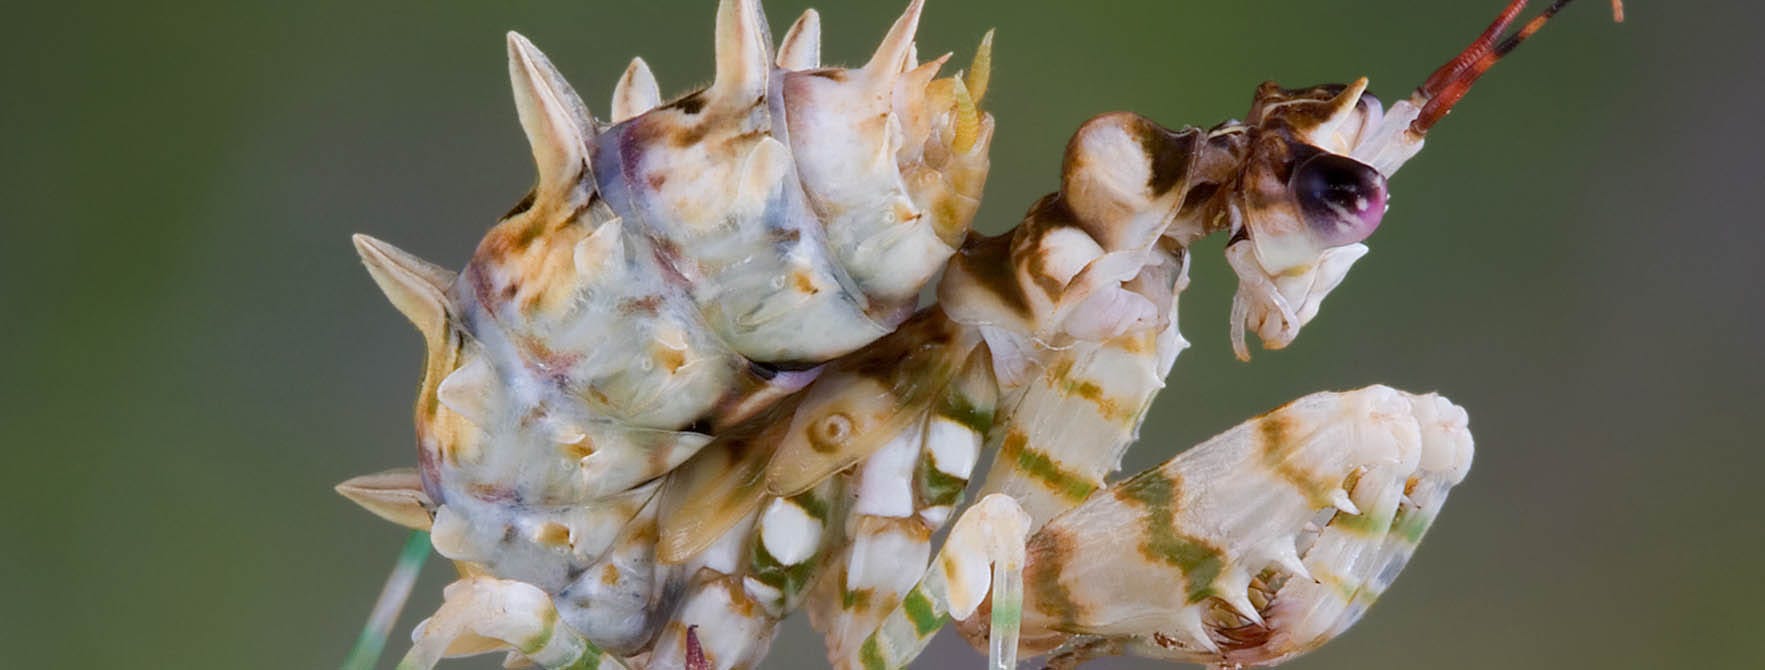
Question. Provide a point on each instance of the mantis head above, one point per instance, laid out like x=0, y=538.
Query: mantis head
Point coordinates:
x=1312, y=186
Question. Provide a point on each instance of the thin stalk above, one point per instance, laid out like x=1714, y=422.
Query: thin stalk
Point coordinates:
x=392, y=598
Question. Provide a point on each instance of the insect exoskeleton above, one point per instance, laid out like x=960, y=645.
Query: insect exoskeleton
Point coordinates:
x=675, y=270
x=681, y=390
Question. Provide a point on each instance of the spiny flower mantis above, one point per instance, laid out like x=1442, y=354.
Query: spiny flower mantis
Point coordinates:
x=682, y=390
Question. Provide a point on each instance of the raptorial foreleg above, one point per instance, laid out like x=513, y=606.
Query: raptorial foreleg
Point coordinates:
x=1256, y=546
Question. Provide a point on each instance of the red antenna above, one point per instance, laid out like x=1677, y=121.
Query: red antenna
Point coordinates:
x=1452, y=81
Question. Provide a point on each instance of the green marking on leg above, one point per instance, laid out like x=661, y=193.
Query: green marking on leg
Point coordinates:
x=920, y=610
x=1360, y=524
x=812, y=505
x=1411, y=525
x=1277, y=443
x=964, y=410
x=870, y=655
x=937, y=486
x=854, y=599
x=538, y=642
x=1200, y=562
x=790, y=580
x=1038, y=465
x=590, y=660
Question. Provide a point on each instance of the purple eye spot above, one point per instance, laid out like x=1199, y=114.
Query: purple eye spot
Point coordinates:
x=1342, y=199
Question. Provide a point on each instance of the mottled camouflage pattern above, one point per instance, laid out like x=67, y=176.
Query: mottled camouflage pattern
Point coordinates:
x=680, y=391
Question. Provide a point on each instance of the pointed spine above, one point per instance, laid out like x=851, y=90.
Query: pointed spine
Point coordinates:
x=467, y=391
x=416, y=287
x=886, y=63
x=554, y=118
x=636, y=91
x=743, y=61
x=394, y=495
x=801, y=48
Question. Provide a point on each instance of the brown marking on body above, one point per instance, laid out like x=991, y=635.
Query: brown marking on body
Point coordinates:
x=1046, y=557
x=784, y=237
x=689, y=135
x=689, y=104
x=803, y=282
x=493, y=493
x=737, y=143
x=1037, y=269
x=522, y=206
x=553, y=534
x=1136, y=344
x=524, y=236
x=1198, y=196
x=1049, y=214
x=988, y=261
x=1278, y=436
x=739, y=601
x=668, y=358
x=1108, y=407
x=646, y=534
x=649, y=305
x=1060, y=370
x=1353, y=479
x=1171, y=153
x=610, y=574
x=858, y=600
x=905, y=213
x=1060, y=377
x=580, y=449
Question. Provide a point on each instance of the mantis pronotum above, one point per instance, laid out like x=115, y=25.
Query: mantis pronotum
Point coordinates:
x=682, y=390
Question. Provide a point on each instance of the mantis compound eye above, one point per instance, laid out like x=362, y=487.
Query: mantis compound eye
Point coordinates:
x=1342, y=199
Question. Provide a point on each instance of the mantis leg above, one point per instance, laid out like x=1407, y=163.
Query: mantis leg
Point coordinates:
x=742, y=586
x=483, y=614
x=1256, y=546
x=984, y=553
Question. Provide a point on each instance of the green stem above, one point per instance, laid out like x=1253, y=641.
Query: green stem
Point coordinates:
x=392, y=598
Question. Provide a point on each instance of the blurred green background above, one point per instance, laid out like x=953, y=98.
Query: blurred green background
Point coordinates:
x=193, y=354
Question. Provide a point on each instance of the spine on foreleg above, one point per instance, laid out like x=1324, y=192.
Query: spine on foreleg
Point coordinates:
x=1257, y=545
